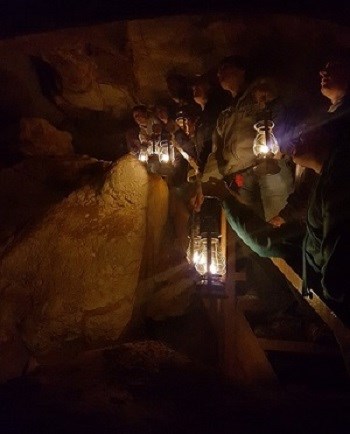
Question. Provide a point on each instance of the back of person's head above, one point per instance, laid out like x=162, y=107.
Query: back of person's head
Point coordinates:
x=201, y=80
x=265, y=89
x=178, y=87
x=313, y=139
x=234, y=73
x=340, y=56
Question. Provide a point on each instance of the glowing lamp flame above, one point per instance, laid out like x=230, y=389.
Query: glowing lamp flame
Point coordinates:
x=265, y=142
x=217, y=263
x=143, y=158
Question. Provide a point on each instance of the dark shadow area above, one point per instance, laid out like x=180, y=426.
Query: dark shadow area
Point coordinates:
x=23, y=16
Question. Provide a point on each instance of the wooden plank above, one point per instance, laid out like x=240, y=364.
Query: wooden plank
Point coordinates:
x=297, y=347
x=250, y=303
x=242, y=358
x=341, y=332
x=254, y=367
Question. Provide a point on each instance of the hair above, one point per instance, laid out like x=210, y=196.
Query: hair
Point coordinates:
x=266, y=84
x=340, y=57
x=313, y=139
x=182, y=89
x=174, y=76
x=188, y=111
x=140, y=107
x=201, y=79
x=235, y=60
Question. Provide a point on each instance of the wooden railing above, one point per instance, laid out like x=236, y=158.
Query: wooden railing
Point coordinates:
x=340, y=331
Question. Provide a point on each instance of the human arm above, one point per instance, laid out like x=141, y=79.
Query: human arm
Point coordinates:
x=297, y=202
x=259, y=235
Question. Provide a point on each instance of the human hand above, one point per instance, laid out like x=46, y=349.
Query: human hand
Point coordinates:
x=196, y=200
x=277, y=221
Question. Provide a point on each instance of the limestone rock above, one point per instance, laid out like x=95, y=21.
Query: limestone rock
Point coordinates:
x=81, y=86
x=39, y=137
x=74, y=274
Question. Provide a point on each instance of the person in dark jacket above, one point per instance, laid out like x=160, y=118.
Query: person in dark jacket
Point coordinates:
x=313, y=232
x=324, y=242
x=212, y=102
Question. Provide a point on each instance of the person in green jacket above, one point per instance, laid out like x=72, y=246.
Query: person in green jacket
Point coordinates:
x=319, y=250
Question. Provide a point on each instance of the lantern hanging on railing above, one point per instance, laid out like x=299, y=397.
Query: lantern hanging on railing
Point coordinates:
x=205, y=251
x=166, y=152
x=150, y=140
x=143, y=154
x=195, y=239
x=154, y=146
x=158, y=153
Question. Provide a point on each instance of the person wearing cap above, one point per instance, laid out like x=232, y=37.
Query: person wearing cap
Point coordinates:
x=232, y=152
x=211, y=101
x=142, y=129
x=233, y=137
x=319, y=236
x=323, y=242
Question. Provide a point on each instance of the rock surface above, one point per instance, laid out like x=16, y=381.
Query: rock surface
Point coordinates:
x=71, y=278
x=147, y=387
x=39, y=137
x=92, y=76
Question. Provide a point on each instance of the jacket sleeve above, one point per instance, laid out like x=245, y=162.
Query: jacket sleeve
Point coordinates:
x=297, y=202
x=260, y=236
x=186, y=144
x=211, y=169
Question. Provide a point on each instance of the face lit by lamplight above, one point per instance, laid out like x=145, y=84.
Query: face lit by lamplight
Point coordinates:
x=187, y=124
x=334, y=80
x=143, y=158
x=303, y=159
x=311, y=147
x=140, y=117
x=200, y=93
x=231, y=78
x=162, y=113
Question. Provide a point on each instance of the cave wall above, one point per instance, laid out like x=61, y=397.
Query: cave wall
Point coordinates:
x=70, y=272
x=85, y=80
x=65, y=244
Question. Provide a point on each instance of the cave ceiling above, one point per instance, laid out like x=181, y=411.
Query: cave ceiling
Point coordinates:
x=20, y=17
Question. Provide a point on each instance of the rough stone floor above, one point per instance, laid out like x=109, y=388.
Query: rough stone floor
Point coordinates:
x=164, y=383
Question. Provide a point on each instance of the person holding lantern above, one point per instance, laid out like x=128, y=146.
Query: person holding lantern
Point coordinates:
x=335, y=81
x=317, y=232
x=233, y=138
x=319, y=250
x=212, y=100
x=142, y=131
